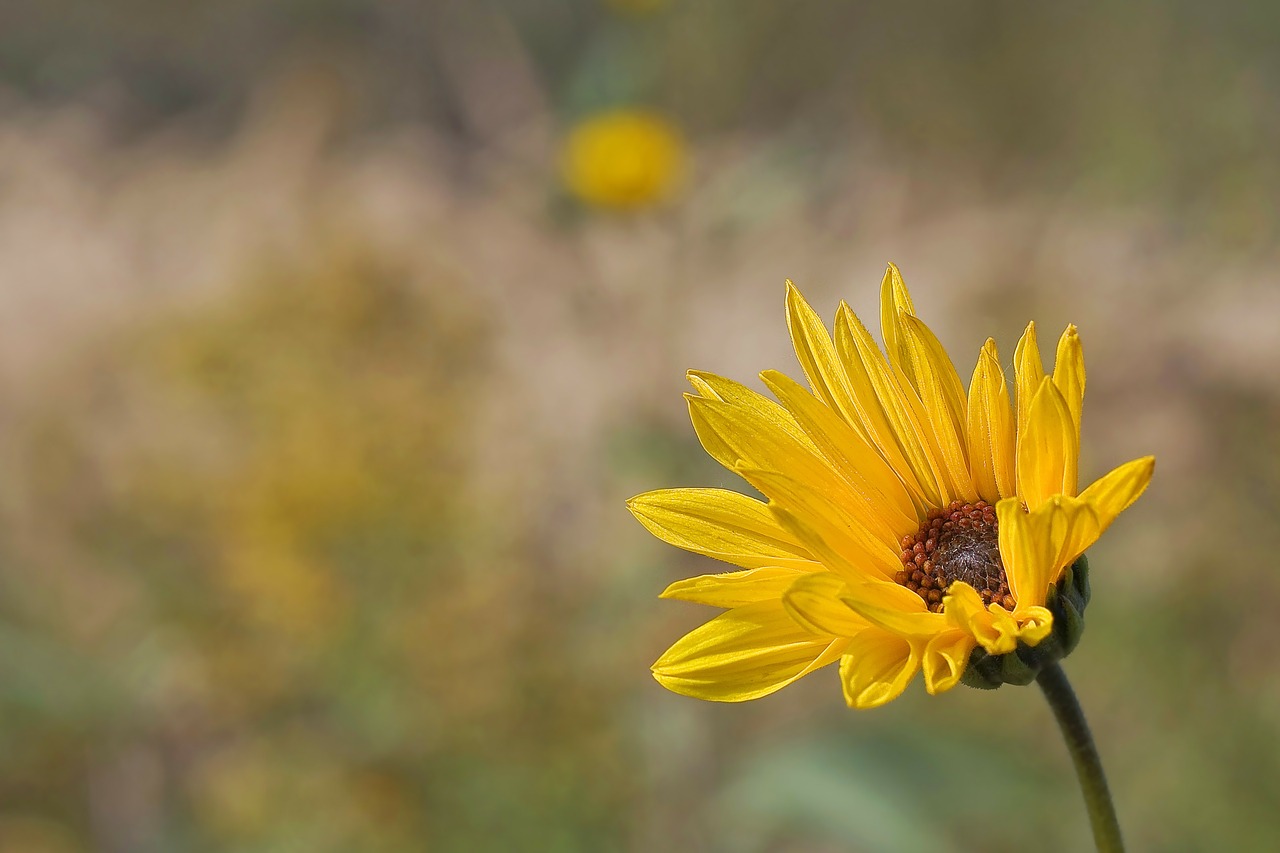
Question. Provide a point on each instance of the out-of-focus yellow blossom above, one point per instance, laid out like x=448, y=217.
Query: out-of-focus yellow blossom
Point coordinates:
x=624, y=159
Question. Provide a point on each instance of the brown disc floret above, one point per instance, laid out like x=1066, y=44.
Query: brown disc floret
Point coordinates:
x=958, y=542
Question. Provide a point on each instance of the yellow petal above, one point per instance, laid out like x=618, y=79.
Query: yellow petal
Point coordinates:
x=1034, y=624
x=931, y=366
x=876, y=484
x=742, y=654
x=1114, y=493
x=995, y=631
x=991, y=428
x=877, y=667
x=893, y=608
x=937, y=385
x=1049, y=449
x=1068, y=372
x=894, y=299
x=1080, y=528
x=808, y=505
x=735, y=589
x=817, y=356
x=994, y=628
x=1035, y=546
x=720, y=524
x=742, y=398
x=945, y=658
x=1025, y=552
x=813, y=600
x=745, y=440
x=883, y=603
x=903, y=413
x=735, y=434
x=1028, y=371
x=872, y=422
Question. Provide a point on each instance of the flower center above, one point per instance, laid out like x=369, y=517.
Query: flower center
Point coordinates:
x=959, y=542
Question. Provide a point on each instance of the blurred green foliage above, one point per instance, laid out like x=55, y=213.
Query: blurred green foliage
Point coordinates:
x=271, y=597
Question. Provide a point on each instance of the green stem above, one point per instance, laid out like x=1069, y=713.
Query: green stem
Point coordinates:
x=1075, y=731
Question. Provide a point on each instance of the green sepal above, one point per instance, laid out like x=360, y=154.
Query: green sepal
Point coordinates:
x=1067, y=601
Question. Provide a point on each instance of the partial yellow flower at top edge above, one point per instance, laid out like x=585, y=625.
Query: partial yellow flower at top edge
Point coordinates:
x=911, y=525
x=624, y=159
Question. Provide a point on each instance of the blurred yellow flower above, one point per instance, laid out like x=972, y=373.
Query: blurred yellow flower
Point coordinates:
x=624, y=159
x=908, y=522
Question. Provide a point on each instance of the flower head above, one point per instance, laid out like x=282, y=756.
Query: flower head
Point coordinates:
x=624, y=159
x=908, y=522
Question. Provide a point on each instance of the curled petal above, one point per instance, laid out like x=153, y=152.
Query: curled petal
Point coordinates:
x=813, y=601
x=945, y=658
x=994, y=629
x=877, y=666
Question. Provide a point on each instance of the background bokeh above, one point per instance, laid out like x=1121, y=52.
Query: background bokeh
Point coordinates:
x=322, y=388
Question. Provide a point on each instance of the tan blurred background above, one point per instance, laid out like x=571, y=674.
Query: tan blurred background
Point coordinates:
x=325, y=370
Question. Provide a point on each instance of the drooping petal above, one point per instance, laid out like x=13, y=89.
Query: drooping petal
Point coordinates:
x=735, y=589
x=991, y=428
x=945, y=658
x=1028, y=373
x=877, y=667
x=1049, y=449
x=893, y=608
x=744, y=653
x=813, y=600
x=882, y=493
x=1115, y=492
x=720, y=524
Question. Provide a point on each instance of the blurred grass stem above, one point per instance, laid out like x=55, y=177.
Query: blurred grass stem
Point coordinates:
x=1093, y=783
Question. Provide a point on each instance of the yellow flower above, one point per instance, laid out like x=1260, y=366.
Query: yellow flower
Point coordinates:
x=908, y=522
x=624, y=159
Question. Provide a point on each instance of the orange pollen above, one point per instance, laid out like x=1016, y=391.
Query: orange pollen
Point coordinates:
x=959, y=542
